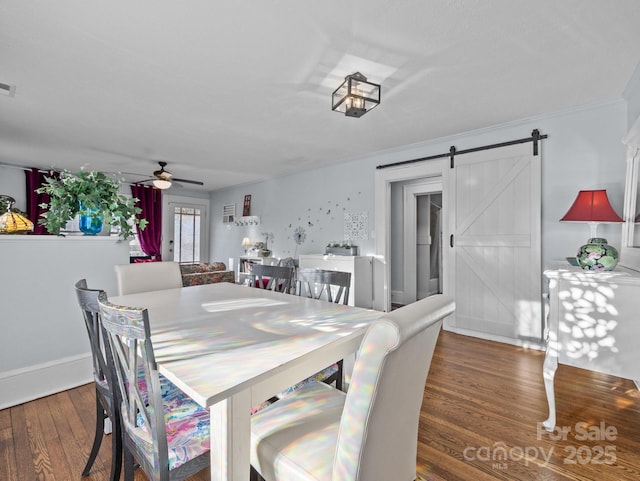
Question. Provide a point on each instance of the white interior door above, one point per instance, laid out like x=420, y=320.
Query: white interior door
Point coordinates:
x=424, y=239
x=417, y=238
x=495, y=226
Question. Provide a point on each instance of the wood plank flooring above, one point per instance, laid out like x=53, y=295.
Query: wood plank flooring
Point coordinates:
x=479, y=418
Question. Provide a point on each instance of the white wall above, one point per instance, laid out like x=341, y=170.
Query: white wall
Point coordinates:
x=584, y=151
x=632, y=96
x=13, y=183
x=316, y=201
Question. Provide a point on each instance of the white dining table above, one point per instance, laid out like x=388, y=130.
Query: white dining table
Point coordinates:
x=231, y=347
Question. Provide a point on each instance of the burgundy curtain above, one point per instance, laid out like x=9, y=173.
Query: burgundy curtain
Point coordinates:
x=150, y=201
x=35, y=179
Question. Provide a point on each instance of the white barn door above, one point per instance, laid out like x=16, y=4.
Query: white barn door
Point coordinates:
x=496, y=247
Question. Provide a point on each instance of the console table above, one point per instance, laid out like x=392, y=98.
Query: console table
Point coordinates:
x=593, y=323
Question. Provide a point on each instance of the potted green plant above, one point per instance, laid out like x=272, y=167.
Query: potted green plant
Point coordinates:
x=92, y=194
x=341, y=249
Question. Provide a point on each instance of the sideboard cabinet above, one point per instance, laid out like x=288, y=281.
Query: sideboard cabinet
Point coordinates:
x=593, y=323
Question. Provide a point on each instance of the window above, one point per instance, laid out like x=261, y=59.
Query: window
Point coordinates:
x=186, y=234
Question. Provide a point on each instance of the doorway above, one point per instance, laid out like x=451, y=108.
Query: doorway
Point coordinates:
x=491, y=254
x=422, y=217
x=185, y=230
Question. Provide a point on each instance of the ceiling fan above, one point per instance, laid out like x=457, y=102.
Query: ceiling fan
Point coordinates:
x=162, y=179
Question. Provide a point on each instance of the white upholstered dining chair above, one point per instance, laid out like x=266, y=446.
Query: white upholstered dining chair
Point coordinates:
x=147, y=276
x=368, y=434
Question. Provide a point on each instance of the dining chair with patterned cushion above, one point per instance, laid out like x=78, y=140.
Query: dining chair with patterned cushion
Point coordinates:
x=273, y=278
x=369, y=433
x=332, y=286
x=88, y=302
x=147, y=276
x=164, y=430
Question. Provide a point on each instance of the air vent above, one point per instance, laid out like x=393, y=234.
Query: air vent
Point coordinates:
x=6, y=89
x=228, y=213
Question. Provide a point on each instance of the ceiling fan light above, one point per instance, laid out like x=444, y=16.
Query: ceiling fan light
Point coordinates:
x=161, y=184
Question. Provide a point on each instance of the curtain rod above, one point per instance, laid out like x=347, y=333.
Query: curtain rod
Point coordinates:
x=27, y=169
x=535, y=138
x=17, y=167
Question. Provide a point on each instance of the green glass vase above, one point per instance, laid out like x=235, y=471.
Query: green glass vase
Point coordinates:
x=597, y=255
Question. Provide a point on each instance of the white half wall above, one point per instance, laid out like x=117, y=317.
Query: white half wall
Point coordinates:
x=44, y=346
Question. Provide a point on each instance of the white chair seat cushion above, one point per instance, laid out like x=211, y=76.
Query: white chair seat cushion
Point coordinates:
x=300, y=433
x=326, y=373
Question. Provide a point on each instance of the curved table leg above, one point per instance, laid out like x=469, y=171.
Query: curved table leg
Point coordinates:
x=549, y=371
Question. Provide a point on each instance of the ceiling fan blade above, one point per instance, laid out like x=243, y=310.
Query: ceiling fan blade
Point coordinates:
x=197, y=182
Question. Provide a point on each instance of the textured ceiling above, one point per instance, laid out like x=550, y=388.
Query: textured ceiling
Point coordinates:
x=230, y=91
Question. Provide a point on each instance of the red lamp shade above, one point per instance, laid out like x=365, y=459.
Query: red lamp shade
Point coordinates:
x=591, y=206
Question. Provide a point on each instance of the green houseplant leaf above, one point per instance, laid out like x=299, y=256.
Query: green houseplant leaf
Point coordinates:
x=94, y=190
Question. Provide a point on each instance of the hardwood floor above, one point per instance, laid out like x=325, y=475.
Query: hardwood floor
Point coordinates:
x=482, y=400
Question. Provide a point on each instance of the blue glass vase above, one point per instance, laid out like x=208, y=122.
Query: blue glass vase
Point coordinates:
x=90, y=221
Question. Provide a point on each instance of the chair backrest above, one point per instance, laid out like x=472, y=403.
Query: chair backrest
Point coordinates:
x=147, y=276
x=88, y=302
x=274, y=278
x=131, y=359
x=287, y=262
x=318, y=284
x=379, y=425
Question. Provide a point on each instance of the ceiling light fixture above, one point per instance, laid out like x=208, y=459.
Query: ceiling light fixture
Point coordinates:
x=356, y=96
x=161, y=184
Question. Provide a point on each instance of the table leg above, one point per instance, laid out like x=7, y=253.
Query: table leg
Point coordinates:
x=231, y=438
x=549, y=371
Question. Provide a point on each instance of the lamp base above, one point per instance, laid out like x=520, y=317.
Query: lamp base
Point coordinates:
x=597, y=255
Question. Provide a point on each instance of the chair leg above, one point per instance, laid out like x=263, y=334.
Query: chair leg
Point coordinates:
x=116, y=450
x=340, y=376
x=128, y=461
x=255, y=476
x=97, y=440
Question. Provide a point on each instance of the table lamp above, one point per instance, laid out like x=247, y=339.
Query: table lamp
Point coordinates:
x=246, y=244
x=593, y=207
x=13, y=222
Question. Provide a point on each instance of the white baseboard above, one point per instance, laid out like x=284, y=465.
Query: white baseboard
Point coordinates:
x=33, y=382
x=397, y=297
x=489, y=337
